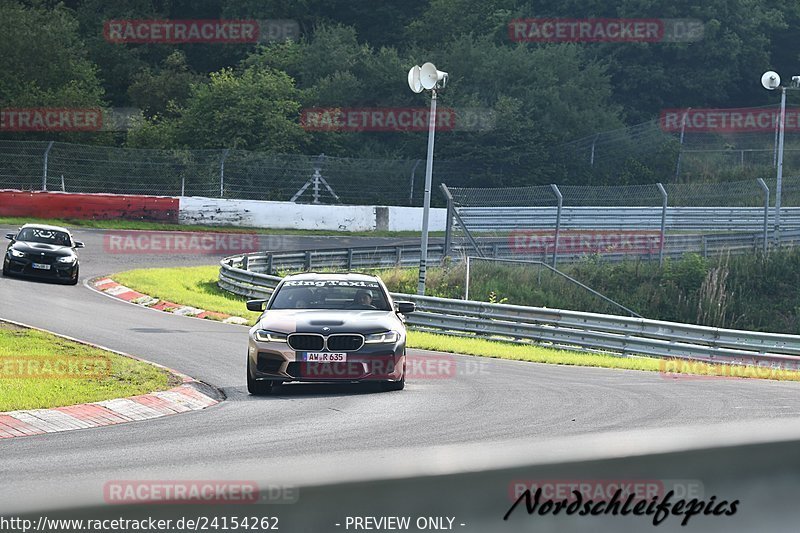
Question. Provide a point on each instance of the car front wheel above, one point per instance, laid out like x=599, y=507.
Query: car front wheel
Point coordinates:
x=256, y=387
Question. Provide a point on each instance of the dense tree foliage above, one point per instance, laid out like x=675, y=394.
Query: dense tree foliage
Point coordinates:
x=356, y=55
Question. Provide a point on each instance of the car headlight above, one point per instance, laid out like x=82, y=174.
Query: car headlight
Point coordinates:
x=67, y=259
x=387, y=337
x=270, y=336
x=17, y=253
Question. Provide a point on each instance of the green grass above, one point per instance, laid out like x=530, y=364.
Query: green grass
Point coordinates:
x=31, y=376
x=161, y=226
x=196, y=286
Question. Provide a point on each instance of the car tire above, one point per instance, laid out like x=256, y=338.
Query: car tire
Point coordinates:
x=5, y=270
x=256, y=387
x=394, y=385
x=74, y=280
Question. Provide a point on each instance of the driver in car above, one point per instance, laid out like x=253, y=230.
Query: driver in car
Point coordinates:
x=363, y=299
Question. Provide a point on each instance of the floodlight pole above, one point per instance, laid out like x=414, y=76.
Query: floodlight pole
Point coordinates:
x=423, y=252
x=779, y=180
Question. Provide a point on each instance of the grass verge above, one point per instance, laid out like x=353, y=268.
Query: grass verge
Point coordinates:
x=39, y=371
x=196, y=286
x=162, y=226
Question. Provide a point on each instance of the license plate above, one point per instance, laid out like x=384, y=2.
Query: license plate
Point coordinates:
x=320, y=357
x=41, y=266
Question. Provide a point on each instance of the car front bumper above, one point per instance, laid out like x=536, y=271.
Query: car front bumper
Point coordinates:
x=277, y=361
x=23, y=266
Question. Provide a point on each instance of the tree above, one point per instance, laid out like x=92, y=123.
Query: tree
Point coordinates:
x=255, y=109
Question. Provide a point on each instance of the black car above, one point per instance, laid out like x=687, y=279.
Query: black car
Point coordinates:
x=328, y=327
x=41, y=251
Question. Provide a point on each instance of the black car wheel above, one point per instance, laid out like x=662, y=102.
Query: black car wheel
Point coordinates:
x=256, y=387
x=394, y=385
x=5, y=269
x=74, y=280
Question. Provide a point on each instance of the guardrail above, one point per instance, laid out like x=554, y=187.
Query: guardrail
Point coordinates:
x=250, y=275
x=483, y=219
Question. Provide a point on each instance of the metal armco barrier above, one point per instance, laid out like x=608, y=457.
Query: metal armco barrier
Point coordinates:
x=483, y=219
x=252, y=275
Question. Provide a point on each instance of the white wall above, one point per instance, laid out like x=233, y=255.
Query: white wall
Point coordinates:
x=288, y=215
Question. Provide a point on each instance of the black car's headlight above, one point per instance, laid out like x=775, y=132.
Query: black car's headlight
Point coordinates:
x=16, y=253
x=386, y=337
x=68, y=259
x=264, y=335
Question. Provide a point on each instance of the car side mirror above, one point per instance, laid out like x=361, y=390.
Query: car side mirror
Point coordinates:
x=79, y=244
x=10, y=236
x=405, y=308
x=256, y=305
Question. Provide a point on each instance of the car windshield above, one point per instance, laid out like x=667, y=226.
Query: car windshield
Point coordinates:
x=330, y=294
x=46, y=236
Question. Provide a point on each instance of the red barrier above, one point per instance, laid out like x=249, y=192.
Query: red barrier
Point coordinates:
x=88, y=206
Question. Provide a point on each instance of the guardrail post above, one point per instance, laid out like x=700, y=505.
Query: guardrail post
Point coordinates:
x=44, y=173
x=269, y=264
x=398, y=253
x=448, y=228
x=308, y=259
x=349, y=259
x=663, y=235
x=245, y=262
x=495, y=250
x=765, y=188
x=560, y=199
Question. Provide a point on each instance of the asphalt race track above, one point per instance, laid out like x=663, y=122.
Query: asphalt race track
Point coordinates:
x=309, y=434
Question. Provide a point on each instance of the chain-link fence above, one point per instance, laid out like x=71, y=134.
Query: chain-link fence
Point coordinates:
x=55, y=166
x=651, y=221
x=697, y=144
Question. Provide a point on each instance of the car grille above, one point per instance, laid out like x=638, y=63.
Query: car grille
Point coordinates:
x=306, y=342
x=345, y=343
x=43, y=259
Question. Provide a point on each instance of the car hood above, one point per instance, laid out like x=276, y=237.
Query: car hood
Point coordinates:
x=38, y=248
x=314, y=320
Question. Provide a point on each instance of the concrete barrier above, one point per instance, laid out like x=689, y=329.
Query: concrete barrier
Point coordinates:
x=40, y=204
x=288, y=215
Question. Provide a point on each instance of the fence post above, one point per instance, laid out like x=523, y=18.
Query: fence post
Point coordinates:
x=560, y=199
x=594, y=142
x=349, y=259
x=680, y=149
x=448, y=228
x=308, y=260
x=413, y=175
x=222, y=172
x=664, y=199
x=765, y=188
x=44, y=173
x=269, y=264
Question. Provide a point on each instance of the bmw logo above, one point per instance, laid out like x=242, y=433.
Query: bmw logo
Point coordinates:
x=326, y=328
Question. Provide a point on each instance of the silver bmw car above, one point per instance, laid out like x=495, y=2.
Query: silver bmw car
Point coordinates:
x=328, y=327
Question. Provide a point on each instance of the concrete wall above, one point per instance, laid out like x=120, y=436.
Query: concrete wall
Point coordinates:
x=217, y=211
x=40, y=204
x=287, y=215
